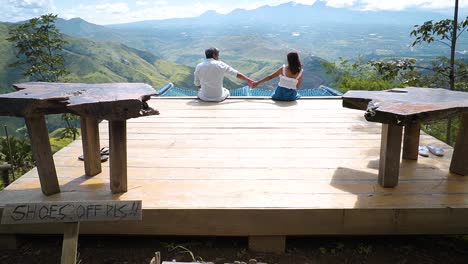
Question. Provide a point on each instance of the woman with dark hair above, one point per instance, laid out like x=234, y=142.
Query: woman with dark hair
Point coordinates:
x=290, y=79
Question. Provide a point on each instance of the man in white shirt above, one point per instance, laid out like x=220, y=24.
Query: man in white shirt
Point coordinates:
x=209, y=76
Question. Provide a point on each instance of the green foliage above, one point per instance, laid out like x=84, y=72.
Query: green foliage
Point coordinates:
x=357, y=75
x=438, y=129
x=447, y=32
x=439, y=31
x=16, y=151
x=39, y=45
x=391, y=69
x=57, y=141
x=71, y=126
x=436, y=73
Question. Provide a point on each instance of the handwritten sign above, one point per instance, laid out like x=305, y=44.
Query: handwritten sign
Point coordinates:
x=25, y=213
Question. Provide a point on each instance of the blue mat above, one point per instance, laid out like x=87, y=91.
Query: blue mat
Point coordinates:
x=170, y=90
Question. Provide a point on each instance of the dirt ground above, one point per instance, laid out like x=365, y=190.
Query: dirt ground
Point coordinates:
x=125, y=249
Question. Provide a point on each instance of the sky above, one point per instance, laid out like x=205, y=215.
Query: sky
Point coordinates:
x=105, y=12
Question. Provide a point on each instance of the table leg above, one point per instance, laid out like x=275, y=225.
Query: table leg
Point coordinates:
x=118, y=156
x=91, y=148
x=459, y=164
x=390, y=149
x=42, y=154
x=411, y=141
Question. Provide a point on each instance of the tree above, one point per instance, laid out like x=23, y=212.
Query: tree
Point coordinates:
x=70, y=131
x=397, y=70
x=39, y=47
x=361, y=75
x=447, y=32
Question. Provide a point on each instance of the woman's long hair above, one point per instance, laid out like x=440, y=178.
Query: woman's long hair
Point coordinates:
x=294, y=63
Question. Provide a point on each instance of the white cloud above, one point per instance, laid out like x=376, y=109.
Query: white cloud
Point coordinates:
x=112, y=8
x=341, y=3
x=18, y=10
x=405, y=4
x=122, y=11
x=149, y=3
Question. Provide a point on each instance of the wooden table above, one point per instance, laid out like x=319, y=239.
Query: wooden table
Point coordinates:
x=115, y=102
x=398, y=108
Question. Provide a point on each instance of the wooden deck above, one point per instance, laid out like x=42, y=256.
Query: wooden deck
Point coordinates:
x=253, y=167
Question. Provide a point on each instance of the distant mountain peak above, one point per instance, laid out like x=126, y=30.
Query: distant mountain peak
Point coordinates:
x=210, y=13
x=77, y=19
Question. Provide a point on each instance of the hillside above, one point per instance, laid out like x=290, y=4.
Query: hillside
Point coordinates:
x=253, y=54
x=256, y=41
x=7, y=56
x=91, y=61
x=96, y=62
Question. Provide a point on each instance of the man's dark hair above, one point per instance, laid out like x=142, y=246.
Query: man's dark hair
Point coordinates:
x=211, y=52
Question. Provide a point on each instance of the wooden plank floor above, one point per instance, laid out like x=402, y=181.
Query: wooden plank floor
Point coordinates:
x=255, y=167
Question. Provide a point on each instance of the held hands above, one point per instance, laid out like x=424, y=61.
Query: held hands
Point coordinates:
x=255, y=84
x=252, y=84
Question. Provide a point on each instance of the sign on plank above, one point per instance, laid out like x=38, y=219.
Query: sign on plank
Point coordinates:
x=46, y=212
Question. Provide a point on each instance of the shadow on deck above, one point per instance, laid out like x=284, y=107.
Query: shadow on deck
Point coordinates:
x=252, y=167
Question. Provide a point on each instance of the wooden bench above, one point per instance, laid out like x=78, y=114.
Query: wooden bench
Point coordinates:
x=115, y=102
x=408, y=107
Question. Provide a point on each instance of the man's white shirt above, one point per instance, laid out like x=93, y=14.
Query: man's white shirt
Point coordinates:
x=210, y=75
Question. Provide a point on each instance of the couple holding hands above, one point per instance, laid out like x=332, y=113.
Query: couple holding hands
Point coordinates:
x=209, y=76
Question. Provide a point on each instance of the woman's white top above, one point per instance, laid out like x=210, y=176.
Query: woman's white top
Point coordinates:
x=287, y=82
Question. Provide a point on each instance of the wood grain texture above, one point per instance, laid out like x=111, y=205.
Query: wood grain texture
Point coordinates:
x=111, y=101
x=118, y=156
x=390, y=149
x=411, y=141
x=70, y=243
x=459, y=164
x=42, y=153
x=239, y=181
x=91, y=146
x=406, y=105
x=57, y=212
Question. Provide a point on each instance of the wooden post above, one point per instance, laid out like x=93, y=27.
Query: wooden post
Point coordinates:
x=118, y=156
x=91, y=148
x=390, y=149
x=459, y=164
x=70, y=243
x=411, y=141
x=42, y=154
x=273, y=244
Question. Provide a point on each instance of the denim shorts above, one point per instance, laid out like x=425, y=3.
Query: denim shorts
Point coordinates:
x=285, y=94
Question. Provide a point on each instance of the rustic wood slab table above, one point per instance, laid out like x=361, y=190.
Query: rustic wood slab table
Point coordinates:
x=408, y=107
x=115, y=102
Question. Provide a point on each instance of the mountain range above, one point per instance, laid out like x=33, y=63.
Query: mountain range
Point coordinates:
x=92, y=61
x=253, y=41
x=249, y=38
x=293, y=13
